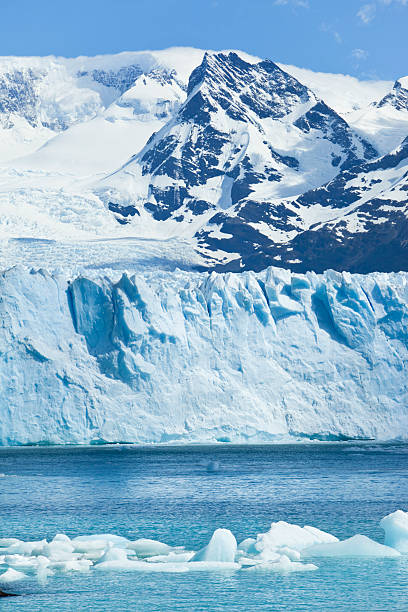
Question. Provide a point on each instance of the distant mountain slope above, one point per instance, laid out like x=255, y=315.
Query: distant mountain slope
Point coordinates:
x=385, y=122
x=44, y=96
x=356, y=222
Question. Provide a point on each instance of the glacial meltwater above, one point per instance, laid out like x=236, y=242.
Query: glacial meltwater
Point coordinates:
x=180, y=496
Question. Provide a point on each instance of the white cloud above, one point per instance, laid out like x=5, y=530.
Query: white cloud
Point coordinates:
x=387, y=2
x=367, y=12
x=296, y=3
x=325, y=27
x=360, y=54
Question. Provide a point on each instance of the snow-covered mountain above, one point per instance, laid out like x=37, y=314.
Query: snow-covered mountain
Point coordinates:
x=249, y=162
x=247, y=132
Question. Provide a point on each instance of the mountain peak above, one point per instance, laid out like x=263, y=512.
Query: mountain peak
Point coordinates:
x=398, y=97
x=235, y=83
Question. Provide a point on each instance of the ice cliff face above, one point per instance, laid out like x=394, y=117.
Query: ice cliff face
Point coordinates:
x=160, y=357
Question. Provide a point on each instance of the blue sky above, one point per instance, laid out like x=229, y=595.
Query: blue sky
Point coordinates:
x=366, y=38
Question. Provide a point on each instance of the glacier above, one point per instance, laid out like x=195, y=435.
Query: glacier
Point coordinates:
x=170, y=357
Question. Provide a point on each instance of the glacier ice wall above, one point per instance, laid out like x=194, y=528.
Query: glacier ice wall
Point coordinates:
x=162, y=357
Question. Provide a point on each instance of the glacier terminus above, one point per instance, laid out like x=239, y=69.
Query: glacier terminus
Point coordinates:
x=195, y=357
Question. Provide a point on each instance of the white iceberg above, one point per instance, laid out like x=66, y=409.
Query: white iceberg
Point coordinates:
x=356, y=546
x=222, y=548
x=11, y=575
x=395, y=526
x=148, y=548
x=286, y=538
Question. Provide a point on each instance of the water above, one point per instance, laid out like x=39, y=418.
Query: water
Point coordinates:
x=172, y=494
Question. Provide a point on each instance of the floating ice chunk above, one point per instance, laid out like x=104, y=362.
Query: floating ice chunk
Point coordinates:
x=93, y=555
x=248, y=546
x=173, y=557
x=149, y=548
x=282, y=534
x=58, y=550
x=357, y=546
x=114, y=554
x=283, y=564
x=221, y=548
x=395, y=526
x=213, y=466
x=293, y=555
x=61, y=537
x=21, y=562
x=247, y=561
x=86, y=544
x=75, y=565
x=6, y=542
x=26, y=548
x=11, y=575
x=89, y=546
x=140, y=566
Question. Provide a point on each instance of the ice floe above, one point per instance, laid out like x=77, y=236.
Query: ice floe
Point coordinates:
x=285, y=547
x=12, y=575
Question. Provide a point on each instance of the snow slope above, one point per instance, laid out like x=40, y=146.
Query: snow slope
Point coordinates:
x=43, y=96
x=164, y=357
x=341, y=92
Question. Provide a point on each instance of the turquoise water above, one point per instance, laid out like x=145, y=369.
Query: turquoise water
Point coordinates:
x=168, y=494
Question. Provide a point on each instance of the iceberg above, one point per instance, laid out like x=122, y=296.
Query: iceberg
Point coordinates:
x=222, y=548
x=11, y=575
x=395, y=526
x=147, y=548
x=289, y=540
x=356, y=546
x=186, y=356
x=284, y=565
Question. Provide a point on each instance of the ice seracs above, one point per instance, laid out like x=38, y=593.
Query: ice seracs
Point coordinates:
x=159, y=356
